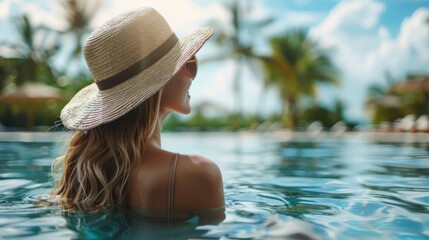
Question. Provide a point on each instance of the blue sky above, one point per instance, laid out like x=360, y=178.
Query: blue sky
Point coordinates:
x=392, y=17
x=369, y=37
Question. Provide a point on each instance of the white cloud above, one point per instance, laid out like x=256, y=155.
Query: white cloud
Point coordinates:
x=47, y=16
x=183, y=17
x=409, y=52
x=6, y=28
x=292, y=19
x=302, y=18
x=212, y=85
x=40, y=13
x=364, y=49
x=215, y=85
x=5, y=8
x=348, y=19
x=6, y=51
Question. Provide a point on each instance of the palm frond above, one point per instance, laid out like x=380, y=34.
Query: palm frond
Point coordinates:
x=295, y=68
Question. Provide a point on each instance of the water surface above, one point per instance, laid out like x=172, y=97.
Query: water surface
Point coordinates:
x=351, y=187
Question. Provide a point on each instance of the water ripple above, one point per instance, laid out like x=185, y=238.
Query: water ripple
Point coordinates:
x=344, y=188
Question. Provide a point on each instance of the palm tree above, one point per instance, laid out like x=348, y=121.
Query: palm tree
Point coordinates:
x=295, y=67
x=78, y=14
x=28, y=69
x=31, y=61
x=238, y=45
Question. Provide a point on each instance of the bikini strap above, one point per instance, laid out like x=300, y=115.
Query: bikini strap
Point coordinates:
x=171, y=187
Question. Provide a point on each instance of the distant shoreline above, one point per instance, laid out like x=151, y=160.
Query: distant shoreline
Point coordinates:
x=280, y=135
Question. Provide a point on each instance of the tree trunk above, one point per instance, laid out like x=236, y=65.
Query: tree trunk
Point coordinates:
x=292, y=114
x=237, y=91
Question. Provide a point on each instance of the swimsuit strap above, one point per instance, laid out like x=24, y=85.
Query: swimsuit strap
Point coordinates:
x=171, y=181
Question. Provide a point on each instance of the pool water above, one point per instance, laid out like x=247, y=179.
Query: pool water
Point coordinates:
x=350, y=187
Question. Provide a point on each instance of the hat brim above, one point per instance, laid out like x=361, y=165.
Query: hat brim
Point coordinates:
x=91, y=107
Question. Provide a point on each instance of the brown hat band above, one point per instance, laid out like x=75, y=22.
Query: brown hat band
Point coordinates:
x=139, y=66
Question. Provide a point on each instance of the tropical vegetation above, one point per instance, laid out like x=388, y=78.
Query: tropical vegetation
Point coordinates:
x=296, y=66
x=395, y=99
x=238, y=45
x=31, y=60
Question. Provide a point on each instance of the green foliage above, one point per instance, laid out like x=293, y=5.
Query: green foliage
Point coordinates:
x=295, y=68
x=387, y=114
x=5, y=72
x=26, y=115
x=197, y=121
x=79, y=14
x=388, y=103
x=32, y=62
x=238, y=44
x=72, y=86
x=322, y=114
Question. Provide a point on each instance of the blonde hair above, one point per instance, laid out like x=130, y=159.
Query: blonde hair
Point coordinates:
x=97, y=164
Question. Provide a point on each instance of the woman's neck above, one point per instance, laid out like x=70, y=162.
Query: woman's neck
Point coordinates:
x=155, y=140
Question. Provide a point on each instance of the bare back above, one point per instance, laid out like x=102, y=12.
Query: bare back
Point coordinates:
x=165, y=182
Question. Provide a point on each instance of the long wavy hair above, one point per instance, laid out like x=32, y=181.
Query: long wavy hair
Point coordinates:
x=97, y=164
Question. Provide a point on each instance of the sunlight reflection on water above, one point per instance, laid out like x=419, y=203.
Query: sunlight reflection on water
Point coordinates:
x=343, y=188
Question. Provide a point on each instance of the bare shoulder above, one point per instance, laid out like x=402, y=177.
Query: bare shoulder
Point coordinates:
x=204, y=169
x=199, y=183
x=204, y=166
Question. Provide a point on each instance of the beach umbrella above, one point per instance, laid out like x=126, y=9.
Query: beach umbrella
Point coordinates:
x=31, y=94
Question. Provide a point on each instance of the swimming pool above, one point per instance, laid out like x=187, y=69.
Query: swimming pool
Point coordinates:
x=350, y=187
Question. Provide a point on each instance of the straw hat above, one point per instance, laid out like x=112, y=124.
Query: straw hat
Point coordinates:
x=130, y=57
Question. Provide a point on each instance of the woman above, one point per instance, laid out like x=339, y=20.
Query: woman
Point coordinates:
x=142, y=72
